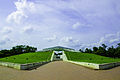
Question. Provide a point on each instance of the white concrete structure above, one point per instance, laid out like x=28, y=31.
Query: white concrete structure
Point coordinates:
x=64, y=57
x=96, y=66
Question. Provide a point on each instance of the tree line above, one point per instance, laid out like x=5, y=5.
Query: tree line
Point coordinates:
x=19, y=49
x=103, y=50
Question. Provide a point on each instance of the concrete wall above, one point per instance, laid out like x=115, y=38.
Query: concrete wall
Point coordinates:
x=52, y=57
x=90, y=65
x=97, y=66
x=32, y=65
x=23, y=66
x=12, y=65
x=64, y=57
x=109, y=65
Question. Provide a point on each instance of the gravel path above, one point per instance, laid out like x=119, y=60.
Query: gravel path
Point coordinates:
x=59, y=70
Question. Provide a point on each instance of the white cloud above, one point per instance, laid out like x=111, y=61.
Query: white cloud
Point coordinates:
x=70, y=42
x=16, y=17
x=4, y=40
x=108, y=39
x=76, y=25
x=53, y=38
x=6, y=30
x=65, y=18
x=23, y=7
x=28, y=30
x=114, y=40
x=79, y=25
x=67, y=39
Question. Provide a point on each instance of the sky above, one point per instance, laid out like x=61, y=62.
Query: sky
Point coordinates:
x=69, y=23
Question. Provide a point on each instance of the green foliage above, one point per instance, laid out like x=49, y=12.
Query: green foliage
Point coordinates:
x=17, y=50
x=104, y=46
x=110, y=52
x=95, y=49
x=5, y=53
x=118, y=44
x=101, y=50
x=88, y=50
x=91, y=58
x=22, y=49
x=28, y=57
x=81, y=50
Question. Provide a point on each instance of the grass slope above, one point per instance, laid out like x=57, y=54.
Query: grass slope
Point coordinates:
x=28, y=57
x=87, y=57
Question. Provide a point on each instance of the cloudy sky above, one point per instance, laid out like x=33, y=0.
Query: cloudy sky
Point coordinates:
x=70, y=23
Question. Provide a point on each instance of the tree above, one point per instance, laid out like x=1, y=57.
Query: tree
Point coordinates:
x=23, y=49
x=118, y=44
x=110, y=52
x=117, y=52
x=1, y=55
x=101, y=51
x=19, y=49
x=90, y=51
x=104, y=46
x=81, y=50
x=86, y=50
x=5, y=52
x=95, y=50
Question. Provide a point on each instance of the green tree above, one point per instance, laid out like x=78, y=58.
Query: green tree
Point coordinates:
x=110, y=52
x=101, y=51
x=95, y=50
x=90, y=51
x=117, y=52
x=118, y=44
x=6, y=52
x=104, y=46
x=81, y=50
x=86, y=50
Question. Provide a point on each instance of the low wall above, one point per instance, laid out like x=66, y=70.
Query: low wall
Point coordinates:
x=97, y=66
x=109, y=65
x=32, y=65
x=90, y=65
x=23, y=66
x=64, y=57
x=12, y=65
x=52, y=57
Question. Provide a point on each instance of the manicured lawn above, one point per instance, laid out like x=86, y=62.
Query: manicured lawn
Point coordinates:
x=87, y=57
x=28, y=57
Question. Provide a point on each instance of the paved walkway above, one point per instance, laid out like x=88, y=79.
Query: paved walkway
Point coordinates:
x=60, y=70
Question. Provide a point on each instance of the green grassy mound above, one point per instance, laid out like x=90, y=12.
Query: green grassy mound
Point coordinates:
x=28, y=57
x=87, y=57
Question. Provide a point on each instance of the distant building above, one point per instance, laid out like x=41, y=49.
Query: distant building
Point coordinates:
x=58, y=48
